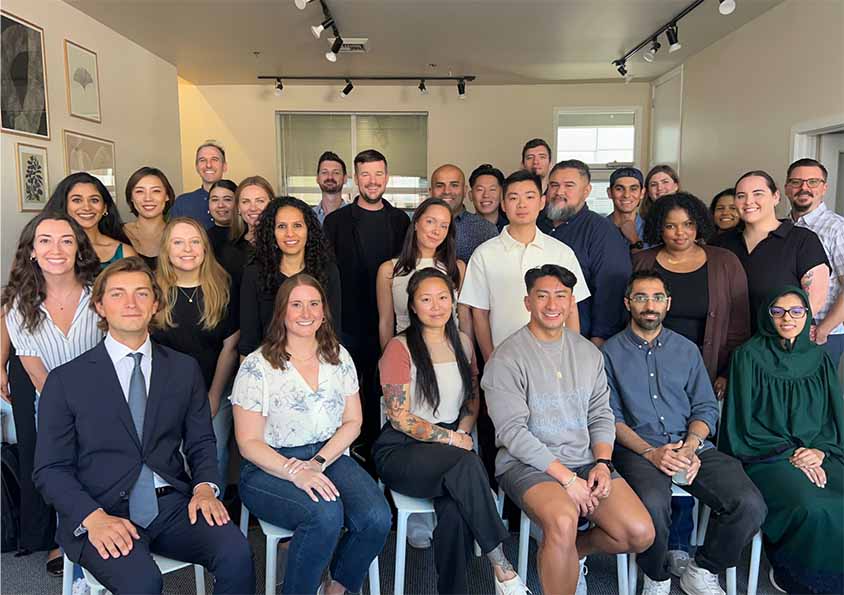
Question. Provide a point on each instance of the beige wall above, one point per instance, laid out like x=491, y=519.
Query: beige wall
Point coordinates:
x=744, y=93
x=139, y=105
x=490, y=125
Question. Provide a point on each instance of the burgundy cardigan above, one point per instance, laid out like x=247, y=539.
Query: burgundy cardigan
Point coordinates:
x=728, y=325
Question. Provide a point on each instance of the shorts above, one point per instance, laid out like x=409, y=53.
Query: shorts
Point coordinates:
x=519, y=478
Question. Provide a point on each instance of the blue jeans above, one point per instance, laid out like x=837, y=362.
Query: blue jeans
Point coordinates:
x=222, y=424
x=834, y=346
x=361, y=509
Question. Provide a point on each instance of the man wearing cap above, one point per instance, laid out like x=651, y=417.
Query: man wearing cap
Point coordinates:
x=626, y=190
x=486, y=185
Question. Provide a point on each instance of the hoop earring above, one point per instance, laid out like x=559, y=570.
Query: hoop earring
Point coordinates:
x=105, y=213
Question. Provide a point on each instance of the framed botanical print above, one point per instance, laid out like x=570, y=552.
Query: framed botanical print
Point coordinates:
x=94, y=155
x=33, y=181
x=83, y=82
x=23, y=78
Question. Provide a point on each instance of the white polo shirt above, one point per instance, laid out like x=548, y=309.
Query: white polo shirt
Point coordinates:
x=495, y=278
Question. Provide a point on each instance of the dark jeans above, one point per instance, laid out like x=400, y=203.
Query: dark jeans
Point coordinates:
x=680, y=535
x=834, y=346
x=361, y=509
x=224, y=551
x=737, y=508
x=365, y=353
x=458, y=484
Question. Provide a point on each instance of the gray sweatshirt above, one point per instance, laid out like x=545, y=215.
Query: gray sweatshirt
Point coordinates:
x=540, y=417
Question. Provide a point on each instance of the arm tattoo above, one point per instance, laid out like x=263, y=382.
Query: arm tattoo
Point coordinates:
x=471, y=401
x=806, y=281
x=497, y=558
x=398, y=411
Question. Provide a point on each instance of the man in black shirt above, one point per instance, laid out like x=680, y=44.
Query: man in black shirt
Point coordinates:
x=364, y=235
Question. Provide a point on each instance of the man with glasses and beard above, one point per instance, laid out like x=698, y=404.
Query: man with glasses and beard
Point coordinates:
x=331, y=177
x=805, y=187
x=664, y=410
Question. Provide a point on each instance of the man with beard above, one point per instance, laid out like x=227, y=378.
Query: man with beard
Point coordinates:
x=536, y=158
x=805, y=187
x=470, y=230
x=331, y=177
x=664, y=410
x=602, y=252
x=363, y=235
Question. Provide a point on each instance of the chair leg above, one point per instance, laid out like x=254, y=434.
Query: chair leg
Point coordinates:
x=524, y=545
x=67, y=576
x=244, y=519
x=755, y=557
x=731, y=581
x=374, y=578
x=632, y=573
x=199, y=573
x=621, y=571
x=401, y=552
x=271, y=561
x=704, y=524
x=693, y=537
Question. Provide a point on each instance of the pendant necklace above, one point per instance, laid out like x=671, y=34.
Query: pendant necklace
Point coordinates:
x=557, y=370
x=185, y=293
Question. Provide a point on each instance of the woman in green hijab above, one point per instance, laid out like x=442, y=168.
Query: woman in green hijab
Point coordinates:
x=784, y=419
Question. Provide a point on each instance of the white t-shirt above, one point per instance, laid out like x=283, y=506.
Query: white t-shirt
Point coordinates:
x=495, y=278
x=296, y=415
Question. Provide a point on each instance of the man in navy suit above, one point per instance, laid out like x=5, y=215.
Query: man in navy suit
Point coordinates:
x=111, y=423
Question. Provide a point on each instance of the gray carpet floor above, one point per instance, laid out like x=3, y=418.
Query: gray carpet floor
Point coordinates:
x=26, y=576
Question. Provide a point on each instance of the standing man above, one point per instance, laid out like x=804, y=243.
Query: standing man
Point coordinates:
x=210, y=165
x=536, y=158
x=665, y=410
x=601, y=251
x=112, y=426
x=486, y=184
x=364, y=235
x=331, y=177
x=626, y=191
x=494, y=287
x=470, y=230
x=805, y=187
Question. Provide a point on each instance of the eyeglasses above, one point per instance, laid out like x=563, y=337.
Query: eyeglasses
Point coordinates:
x=641, y=298
x=793, y=312
x=798, y=182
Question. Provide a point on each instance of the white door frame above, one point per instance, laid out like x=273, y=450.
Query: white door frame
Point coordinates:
x=804, y=135
x=674, y=72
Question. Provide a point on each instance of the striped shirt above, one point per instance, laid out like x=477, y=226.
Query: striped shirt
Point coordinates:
x=48, y=342
x=829, y=226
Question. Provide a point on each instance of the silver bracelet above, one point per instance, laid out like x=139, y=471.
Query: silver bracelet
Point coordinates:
x=569, y=481
x=450, y=437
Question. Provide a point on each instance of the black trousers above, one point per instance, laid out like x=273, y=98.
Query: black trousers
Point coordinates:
x=737, y=508
x=224, y=551
x=458, y=484
x=365, y=354
x=38, y=520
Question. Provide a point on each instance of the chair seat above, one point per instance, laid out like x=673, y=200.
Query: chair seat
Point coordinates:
x=408, y=504
x=165, y=565
x=273, y=531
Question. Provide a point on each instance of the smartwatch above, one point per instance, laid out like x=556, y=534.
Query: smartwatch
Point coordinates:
x=640, y=245
x=322, y=462
x=606, y=462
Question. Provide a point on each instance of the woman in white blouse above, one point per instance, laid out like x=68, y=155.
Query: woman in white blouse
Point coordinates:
x=50, y=322
x=296, y=412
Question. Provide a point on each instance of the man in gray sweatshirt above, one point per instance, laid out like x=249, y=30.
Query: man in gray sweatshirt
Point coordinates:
x=547, y=395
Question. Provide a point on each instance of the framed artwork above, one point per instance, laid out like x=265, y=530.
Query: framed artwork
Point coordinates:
x=83, y=82
x=33, y=183
x=94, y=155
x=23, y=97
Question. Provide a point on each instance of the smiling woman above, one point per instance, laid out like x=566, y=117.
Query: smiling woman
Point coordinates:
x=150, y=197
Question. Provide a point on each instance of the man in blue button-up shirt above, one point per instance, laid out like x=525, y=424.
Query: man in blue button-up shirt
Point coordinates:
x=210, y=165
x=665, y=409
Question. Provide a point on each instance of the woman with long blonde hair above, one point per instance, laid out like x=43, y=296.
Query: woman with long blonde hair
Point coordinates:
x=197, y=317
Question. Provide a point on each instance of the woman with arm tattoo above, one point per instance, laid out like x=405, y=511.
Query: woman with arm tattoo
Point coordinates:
x=429, y=378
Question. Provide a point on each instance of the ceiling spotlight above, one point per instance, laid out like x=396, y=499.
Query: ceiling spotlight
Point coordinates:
x=347, y=89
x=673, y=39
x=423, y=90
x=651, y=53
x=301, y=4
x=318, y=29
x=461, y=89
x=331, y=55
x=279, y=87
x=622, y=68
x=726, y=7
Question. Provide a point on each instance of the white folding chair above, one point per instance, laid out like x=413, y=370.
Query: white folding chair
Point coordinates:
x=274, y=535
x=165, y=565
x=755, y=557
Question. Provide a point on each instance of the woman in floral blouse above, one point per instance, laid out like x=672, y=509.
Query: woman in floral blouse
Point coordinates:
x=297, y=411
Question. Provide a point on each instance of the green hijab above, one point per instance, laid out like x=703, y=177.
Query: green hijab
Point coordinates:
x=781, y=397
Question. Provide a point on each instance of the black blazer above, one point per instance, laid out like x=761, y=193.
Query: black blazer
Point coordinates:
x=88, y=454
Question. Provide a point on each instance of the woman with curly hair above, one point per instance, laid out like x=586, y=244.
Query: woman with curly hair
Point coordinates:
x=88, y=201
x=49, y=320
x=150, y=196
x=288, y=241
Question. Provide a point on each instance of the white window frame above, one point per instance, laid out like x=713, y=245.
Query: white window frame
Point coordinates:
x=598, y=172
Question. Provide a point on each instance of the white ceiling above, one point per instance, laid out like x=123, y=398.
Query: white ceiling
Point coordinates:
x=500, y=41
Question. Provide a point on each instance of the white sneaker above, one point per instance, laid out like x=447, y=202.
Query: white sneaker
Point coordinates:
x=581, y=579
x=420, y=530
x=678, y=561
x=80, y=587
x=514, y=586
x=652, y=587
x=699, y=581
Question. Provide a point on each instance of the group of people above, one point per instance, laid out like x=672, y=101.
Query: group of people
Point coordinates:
x=583, y=363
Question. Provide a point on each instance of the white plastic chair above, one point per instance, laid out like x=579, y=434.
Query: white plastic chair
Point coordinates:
x=274, y=535
x=165, y=565
x=755, y=557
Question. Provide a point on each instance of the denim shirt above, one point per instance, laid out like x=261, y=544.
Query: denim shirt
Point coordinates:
x=658, y=388
x=194, y=205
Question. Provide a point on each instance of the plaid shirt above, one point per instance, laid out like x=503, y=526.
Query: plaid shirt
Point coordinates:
x=830, y=229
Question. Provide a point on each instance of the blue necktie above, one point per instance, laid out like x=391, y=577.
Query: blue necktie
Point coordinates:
x=143, y=503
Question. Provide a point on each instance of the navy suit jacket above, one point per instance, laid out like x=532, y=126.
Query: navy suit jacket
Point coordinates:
x=88, y=454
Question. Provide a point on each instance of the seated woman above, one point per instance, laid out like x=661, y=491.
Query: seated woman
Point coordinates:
x=784, y=419
x=296, y=411
x=199, y=318
x=88, y=201
x=430, y=383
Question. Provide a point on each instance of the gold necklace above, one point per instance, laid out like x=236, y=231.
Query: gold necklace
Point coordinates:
x=185, y=293
x=558, y=371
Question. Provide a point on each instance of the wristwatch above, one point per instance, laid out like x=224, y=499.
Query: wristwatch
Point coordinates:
x=322, y=462
x=606, y=462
